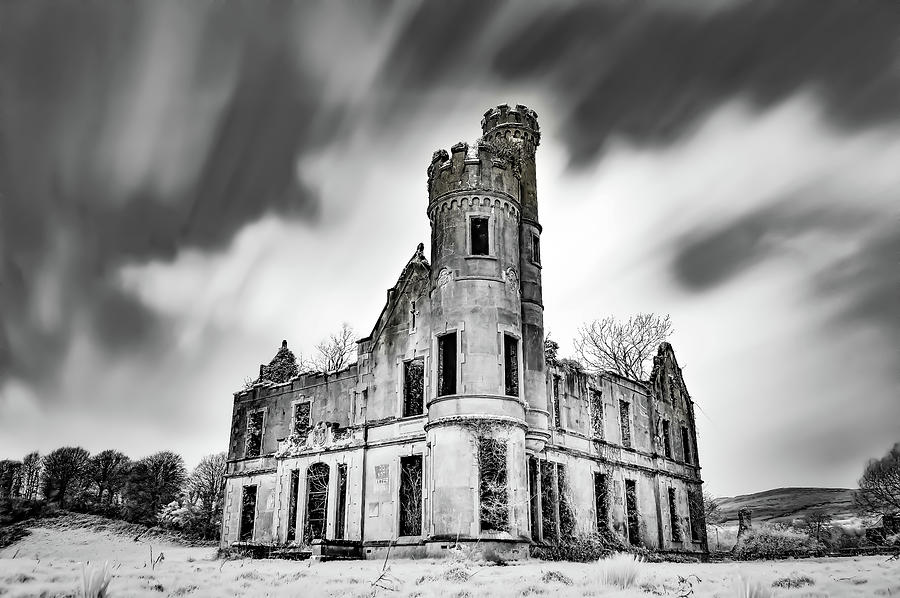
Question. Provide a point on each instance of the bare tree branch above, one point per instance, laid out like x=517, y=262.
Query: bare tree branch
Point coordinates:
x=625, y=348
x=879, y=486
x=333, y=353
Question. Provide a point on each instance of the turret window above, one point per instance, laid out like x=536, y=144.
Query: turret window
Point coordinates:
x=536, y=249
x=478, y=228
x=446, y=373
x=511, y=365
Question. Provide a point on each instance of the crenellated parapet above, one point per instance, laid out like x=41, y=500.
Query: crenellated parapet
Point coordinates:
x=485, y=167
x=520, y=122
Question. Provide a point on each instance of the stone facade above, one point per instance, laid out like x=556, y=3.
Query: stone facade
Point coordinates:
x=452, y=427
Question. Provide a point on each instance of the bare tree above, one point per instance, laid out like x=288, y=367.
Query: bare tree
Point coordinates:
x=879, y=486
x=712, y=507
x=10, y=478
x=817, y=521
x=206, y=486
x=625, y=348
x=31, y=475
x=333, y=353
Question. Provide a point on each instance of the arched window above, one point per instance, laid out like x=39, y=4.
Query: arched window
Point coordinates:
x=316, y=501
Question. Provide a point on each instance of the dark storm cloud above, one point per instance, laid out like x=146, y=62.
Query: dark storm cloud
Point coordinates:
x=708, y=258
x=867, y=282
x=648, y=71
x=69, y=73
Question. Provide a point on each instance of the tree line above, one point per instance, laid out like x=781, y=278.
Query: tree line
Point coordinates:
x=155, y=490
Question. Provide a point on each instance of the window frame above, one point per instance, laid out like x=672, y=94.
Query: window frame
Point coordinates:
x=667, y=438
x=400, y=485
x=687, y=451
x=625, y=417
x=675, y=532
x=439, y=363
x=470, y=245
x=517, y=343
x=241, y=521
x=403, y=365
x=535, y=248
x=294, y=404
x=262, y=432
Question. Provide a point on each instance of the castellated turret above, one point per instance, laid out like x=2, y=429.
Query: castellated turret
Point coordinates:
x=485, y=303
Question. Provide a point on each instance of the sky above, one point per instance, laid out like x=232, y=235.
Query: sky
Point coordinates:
x=184, y=185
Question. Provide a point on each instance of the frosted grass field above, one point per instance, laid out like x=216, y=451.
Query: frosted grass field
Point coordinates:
x=49, y=563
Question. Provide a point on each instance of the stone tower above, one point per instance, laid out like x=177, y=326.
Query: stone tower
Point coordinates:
x=489, y=395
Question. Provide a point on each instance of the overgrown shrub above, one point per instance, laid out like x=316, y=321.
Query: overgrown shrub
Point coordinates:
x=579, y=549
x=14, y=510
x=10, y=534
x=793, y=581
x=584, y=548
x=772, y=542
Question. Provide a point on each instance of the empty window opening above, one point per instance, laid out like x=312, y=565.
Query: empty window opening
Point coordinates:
x=695, y=508
x=597, y=414
x=316, y=502
x=601, y=501
x=549, y=503
x=411, y=481
x=566, y=513
x=292, y=505
x=493, y=491
x=535, y=249
x=557, y=420
x=413, y=386
x=248, y=513
x=667, y=439
x=631, y=512
x=511, y=365
x=254, y=433
x=535, y=499
x=686, y=444
x=340, y=516
x=673, y=517
x=625, y=417
x=300, y=426
x=557, y=517
x=479, y=229
x=447, y=364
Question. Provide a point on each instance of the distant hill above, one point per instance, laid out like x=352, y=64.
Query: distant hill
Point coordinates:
x=783, y=505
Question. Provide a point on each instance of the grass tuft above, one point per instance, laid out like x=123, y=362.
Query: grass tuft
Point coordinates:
x=747, y=588
x=95, y=581
x=620, y=570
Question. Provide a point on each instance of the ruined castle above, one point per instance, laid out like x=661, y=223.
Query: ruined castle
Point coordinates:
x=452, y=427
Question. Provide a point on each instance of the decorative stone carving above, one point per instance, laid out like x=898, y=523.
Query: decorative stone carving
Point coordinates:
x=444, y=277
x=512, y=280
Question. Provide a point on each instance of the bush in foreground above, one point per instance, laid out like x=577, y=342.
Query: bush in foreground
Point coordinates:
x=774, y=542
